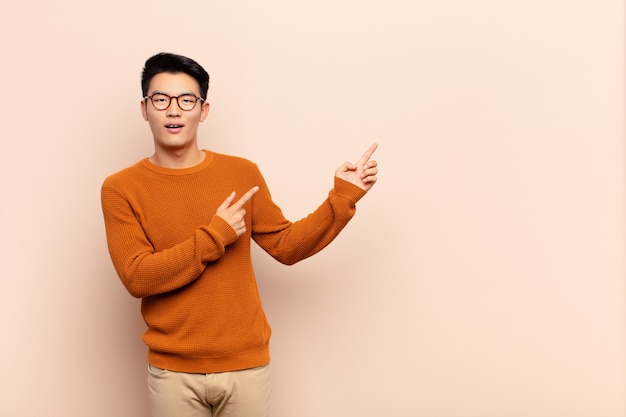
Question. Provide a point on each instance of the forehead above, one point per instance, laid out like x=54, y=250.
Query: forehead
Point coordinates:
x=173, y=83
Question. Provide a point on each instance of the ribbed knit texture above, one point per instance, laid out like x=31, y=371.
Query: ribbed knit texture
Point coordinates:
x=200, y=299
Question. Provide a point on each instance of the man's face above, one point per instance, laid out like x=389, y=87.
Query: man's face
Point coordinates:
x=173, y=128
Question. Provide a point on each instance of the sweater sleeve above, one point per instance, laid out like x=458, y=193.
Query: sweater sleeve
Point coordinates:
x=144, y=271
x=290, y=242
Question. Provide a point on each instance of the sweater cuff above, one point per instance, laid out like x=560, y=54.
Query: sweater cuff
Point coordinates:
x=221, y=234
x=348, y=190
x=225, y=231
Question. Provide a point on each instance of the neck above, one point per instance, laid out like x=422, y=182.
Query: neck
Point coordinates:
x=177, y=159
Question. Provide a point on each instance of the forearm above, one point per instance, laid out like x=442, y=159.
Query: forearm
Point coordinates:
x=293, y=242
x=145, y=270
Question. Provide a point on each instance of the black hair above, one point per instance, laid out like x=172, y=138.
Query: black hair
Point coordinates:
x=172, y=63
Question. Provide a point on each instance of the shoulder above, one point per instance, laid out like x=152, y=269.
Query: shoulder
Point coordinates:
x=234, y=161
x=124, y=176
x=222, y=157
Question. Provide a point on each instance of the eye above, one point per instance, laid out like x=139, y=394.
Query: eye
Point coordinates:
x=160, y=98
x=188, y=99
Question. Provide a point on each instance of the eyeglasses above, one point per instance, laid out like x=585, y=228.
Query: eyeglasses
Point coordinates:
x=161, y=101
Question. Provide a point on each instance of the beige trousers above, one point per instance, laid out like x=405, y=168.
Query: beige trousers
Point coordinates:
x=243, y=393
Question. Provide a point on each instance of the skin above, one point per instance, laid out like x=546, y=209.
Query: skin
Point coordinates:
x=175, y=148
x=175, y=135
x=363, y=172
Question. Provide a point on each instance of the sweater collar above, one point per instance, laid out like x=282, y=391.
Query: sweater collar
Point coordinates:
x=208, y=158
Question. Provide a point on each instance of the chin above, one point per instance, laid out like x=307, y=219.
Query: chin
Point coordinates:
x=175, y=143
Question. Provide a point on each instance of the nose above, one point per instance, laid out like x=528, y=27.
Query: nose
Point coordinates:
x=173, y=109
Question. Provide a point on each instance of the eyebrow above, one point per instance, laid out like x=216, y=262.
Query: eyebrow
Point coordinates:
x=181, y=94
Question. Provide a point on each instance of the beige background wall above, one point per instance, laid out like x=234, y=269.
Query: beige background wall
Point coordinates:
x=482, y=277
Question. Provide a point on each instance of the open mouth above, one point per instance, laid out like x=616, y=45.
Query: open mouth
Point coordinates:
x=174, y=127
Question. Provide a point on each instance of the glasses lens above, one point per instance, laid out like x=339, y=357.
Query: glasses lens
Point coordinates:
x=187, y=102
x=160, y=101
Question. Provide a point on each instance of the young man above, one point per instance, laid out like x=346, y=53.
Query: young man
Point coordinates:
x=179, y=225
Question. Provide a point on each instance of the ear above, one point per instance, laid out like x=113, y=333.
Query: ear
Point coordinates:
x=204, y=111
x=144, y=111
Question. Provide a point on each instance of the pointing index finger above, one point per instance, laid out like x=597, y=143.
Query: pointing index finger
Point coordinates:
x=247, y=196
x=367, y=155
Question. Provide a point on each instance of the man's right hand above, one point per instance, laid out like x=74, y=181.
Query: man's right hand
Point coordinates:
x=234, y=215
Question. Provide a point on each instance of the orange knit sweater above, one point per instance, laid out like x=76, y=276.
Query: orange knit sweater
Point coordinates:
x=199, y=294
